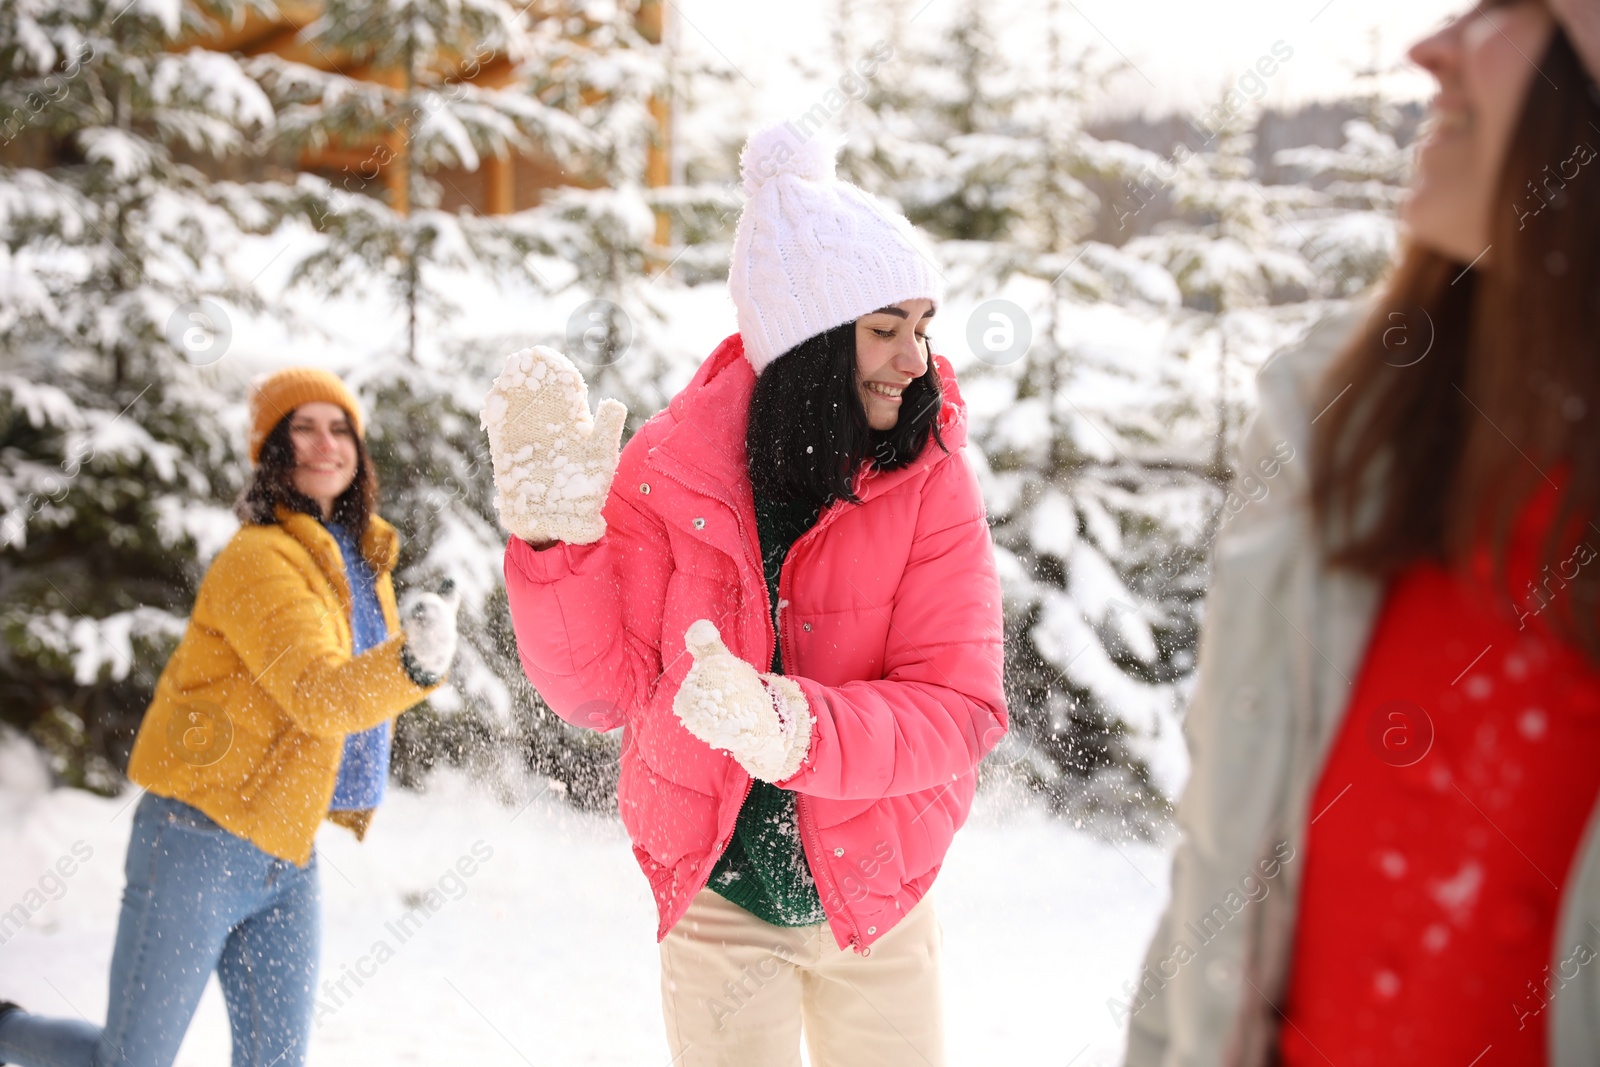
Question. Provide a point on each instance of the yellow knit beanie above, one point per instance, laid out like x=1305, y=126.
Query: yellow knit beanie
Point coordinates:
x=272, y=396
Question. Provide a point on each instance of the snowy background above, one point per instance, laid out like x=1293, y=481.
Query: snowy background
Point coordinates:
x=1130, y=223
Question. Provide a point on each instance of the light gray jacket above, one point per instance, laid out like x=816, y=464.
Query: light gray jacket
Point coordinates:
x=1284, y=639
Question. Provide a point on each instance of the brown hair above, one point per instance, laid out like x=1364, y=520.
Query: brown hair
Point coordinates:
x=1445, y=450
x=273, y=485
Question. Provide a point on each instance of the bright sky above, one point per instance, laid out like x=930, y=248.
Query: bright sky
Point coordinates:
x=1183, y=52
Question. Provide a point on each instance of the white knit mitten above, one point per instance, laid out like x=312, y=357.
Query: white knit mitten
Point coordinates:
x=762, y=720
x=429, y=623
x=553, y=462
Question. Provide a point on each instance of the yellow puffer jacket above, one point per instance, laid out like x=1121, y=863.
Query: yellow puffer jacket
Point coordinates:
x=250, y=715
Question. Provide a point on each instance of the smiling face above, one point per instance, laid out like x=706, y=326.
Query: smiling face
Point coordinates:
x=324, y=452
x=891, y=353
x=1483, y=61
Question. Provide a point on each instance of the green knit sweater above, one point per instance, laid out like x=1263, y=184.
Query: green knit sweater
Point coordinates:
x=764, y=870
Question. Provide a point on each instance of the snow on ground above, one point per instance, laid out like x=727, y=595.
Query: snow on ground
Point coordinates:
x=546, y=954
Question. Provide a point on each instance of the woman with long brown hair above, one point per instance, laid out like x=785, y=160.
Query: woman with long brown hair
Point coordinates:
x=1390, y=848
x=271, y=716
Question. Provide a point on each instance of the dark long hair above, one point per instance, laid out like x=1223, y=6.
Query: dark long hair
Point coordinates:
x=273, y=485
x=1455, y=444
x=807, y=433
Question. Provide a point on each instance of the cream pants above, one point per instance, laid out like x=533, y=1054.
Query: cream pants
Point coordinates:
x=736, y=992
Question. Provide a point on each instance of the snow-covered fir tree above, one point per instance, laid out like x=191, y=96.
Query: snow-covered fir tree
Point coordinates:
x=572, y=86
x=119, y=428
x=994, y=161
x=118, y=264
x=1358, y=186
x=432, y=116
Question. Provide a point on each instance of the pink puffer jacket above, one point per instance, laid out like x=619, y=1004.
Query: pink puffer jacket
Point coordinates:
x=890, y=619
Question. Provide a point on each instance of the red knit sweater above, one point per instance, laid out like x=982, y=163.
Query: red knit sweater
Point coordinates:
x=1443, y=827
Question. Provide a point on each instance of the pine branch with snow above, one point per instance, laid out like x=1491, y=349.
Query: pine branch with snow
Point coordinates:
x=118, y=278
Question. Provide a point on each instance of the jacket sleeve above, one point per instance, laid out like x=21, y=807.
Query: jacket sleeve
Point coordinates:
x=587, y=618
x=257, y=598
x=940, y=706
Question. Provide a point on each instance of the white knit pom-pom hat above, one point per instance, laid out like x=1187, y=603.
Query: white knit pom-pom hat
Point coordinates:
x=813, y=252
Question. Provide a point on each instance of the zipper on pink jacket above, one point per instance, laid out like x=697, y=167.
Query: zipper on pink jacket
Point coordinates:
x=802, y=809
x=749, y=783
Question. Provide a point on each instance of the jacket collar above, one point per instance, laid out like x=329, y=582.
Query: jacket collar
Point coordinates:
x=380, y=547
x=704, y=447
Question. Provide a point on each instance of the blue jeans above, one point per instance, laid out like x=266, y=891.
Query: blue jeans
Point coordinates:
x=199, y=899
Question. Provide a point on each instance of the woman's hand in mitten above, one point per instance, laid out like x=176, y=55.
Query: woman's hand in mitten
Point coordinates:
x=429, y=623
x=553, y=461
x=761, y=719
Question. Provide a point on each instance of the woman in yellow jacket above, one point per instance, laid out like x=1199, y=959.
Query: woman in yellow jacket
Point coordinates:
x=272, y=715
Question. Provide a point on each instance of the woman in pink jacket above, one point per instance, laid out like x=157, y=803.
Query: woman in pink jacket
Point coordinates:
x=785, y=593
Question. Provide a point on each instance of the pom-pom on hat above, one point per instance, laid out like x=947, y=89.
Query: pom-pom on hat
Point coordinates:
x=813, y=252
x=272, y=396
